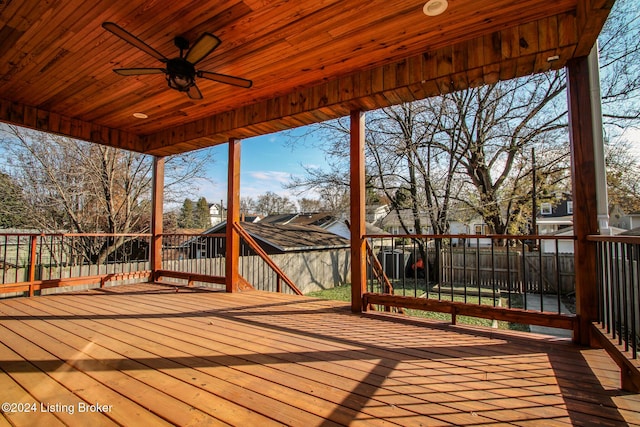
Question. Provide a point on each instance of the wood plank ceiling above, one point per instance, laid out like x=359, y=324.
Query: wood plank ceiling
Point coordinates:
x=309, y=61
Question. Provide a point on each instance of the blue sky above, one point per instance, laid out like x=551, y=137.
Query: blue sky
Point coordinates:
x=267, y=163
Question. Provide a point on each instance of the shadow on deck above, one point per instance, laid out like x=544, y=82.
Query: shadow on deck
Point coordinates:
x=158, y=356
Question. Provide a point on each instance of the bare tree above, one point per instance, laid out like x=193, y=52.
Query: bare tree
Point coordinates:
x=76, y=186
x=271, y=203
x=471, y=149
x=13, y=206
x=623, y=176
x=308, y=205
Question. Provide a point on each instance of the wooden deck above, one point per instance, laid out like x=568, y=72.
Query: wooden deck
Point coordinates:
x=150, y=356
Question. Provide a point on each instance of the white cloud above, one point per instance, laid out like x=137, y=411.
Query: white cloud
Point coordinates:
x=270, y=176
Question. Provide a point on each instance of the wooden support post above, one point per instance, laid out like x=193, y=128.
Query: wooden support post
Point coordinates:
x=157, y=201
x=358, y=247
x=585, y=204
x=232, y=255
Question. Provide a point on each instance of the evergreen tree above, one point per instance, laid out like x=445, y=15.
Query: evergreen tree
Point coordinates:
x=186, y=219
x=201, y=214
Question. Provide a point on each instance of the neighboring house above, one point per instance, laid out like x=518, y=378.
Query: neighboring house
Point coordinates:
x=217, y=213
x=619, y=218
x=324, y=220
x=374, y=213
x=393, y=220
x=553, y=218
x=475, y=226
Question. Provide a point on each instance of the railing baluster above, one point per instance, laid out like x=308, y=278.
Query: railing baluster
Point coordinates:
x=624, y=327
x=558, y=277
x=524, y=276
x=541, y=282
x=509, y=279
x=32, y=263
x=478, y=272
x=493, y=270
x=464, y=271
x=635, y=297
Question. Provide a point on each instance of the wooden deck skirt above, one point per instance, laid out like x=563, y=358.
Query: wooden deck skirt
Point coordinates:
x=148, y=355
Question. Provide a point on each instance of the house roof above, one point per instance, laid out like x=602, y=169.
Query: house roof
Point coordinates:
x=279, y=218
x=295, y=237
x=309, y=61
x=632, y=232
x=319, y=219
x=393, y=217
x=288, y=237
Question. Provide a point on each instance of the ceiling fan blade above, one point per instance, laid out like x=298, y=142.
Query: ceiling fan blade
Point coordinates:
x=139, y=71
x=223, y=78
x=133, y=40
x=194, y=92
x=205, y=44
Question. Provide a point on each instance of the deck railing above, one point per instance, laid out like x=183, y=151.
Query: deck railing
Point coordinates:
x=259, y=269
x=194, y=258
x=619, y=290
x=524, y=279
x=201, y=258
x=31, y=262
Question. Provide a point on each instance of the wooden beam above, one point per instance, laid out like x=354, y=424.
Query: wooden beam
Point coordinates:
x=358, y=248
x=583, y=180
x=455, y=308
x=590, y=15
x=46, y=121
x=232, y=254
x=157, y=202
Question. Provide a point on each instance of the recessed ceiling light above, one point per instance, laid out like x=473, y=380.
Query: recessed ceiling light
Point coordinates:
x=140, y=116
x=435, y=7
x=553, y=58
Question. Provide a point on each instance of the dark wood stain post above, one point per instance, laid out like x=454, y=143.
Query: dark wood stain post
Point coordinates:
x=583, y=176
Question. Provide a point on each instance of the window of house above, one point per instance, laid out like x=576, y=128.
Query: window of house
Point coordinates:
x=570, y=208
x=481, y=229
x=545, y=209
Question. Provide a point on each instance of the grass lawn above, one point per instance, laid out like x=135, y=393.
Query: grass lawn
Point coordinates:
x=343, y=293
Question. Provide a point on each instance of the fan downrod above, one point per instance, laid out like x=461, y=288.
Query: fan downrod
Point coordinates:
x=181, y=43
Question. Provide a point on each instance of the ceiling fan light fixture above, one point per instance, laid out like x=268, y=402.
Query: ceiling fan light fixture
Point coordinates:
x=435, y=7
x=140, y=116
x=179, y=82
x=180, y=74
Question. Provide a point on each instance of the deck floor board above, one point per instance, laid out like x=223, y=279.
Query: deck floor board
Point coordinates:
x=196, y=357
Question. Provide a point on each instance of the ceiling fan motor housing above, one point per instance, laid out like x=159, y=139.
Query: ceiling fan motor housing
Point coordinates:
x=180, y=74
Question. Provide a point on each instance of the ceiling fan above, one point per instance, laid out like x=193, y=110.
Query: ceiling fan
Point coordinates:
x=180, y=71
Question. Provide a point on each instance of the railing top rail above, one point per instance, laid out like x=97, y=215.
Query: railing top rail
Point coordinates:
x=471, y=236
x=194, y=234
x=634, y=240
x=44, y=234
